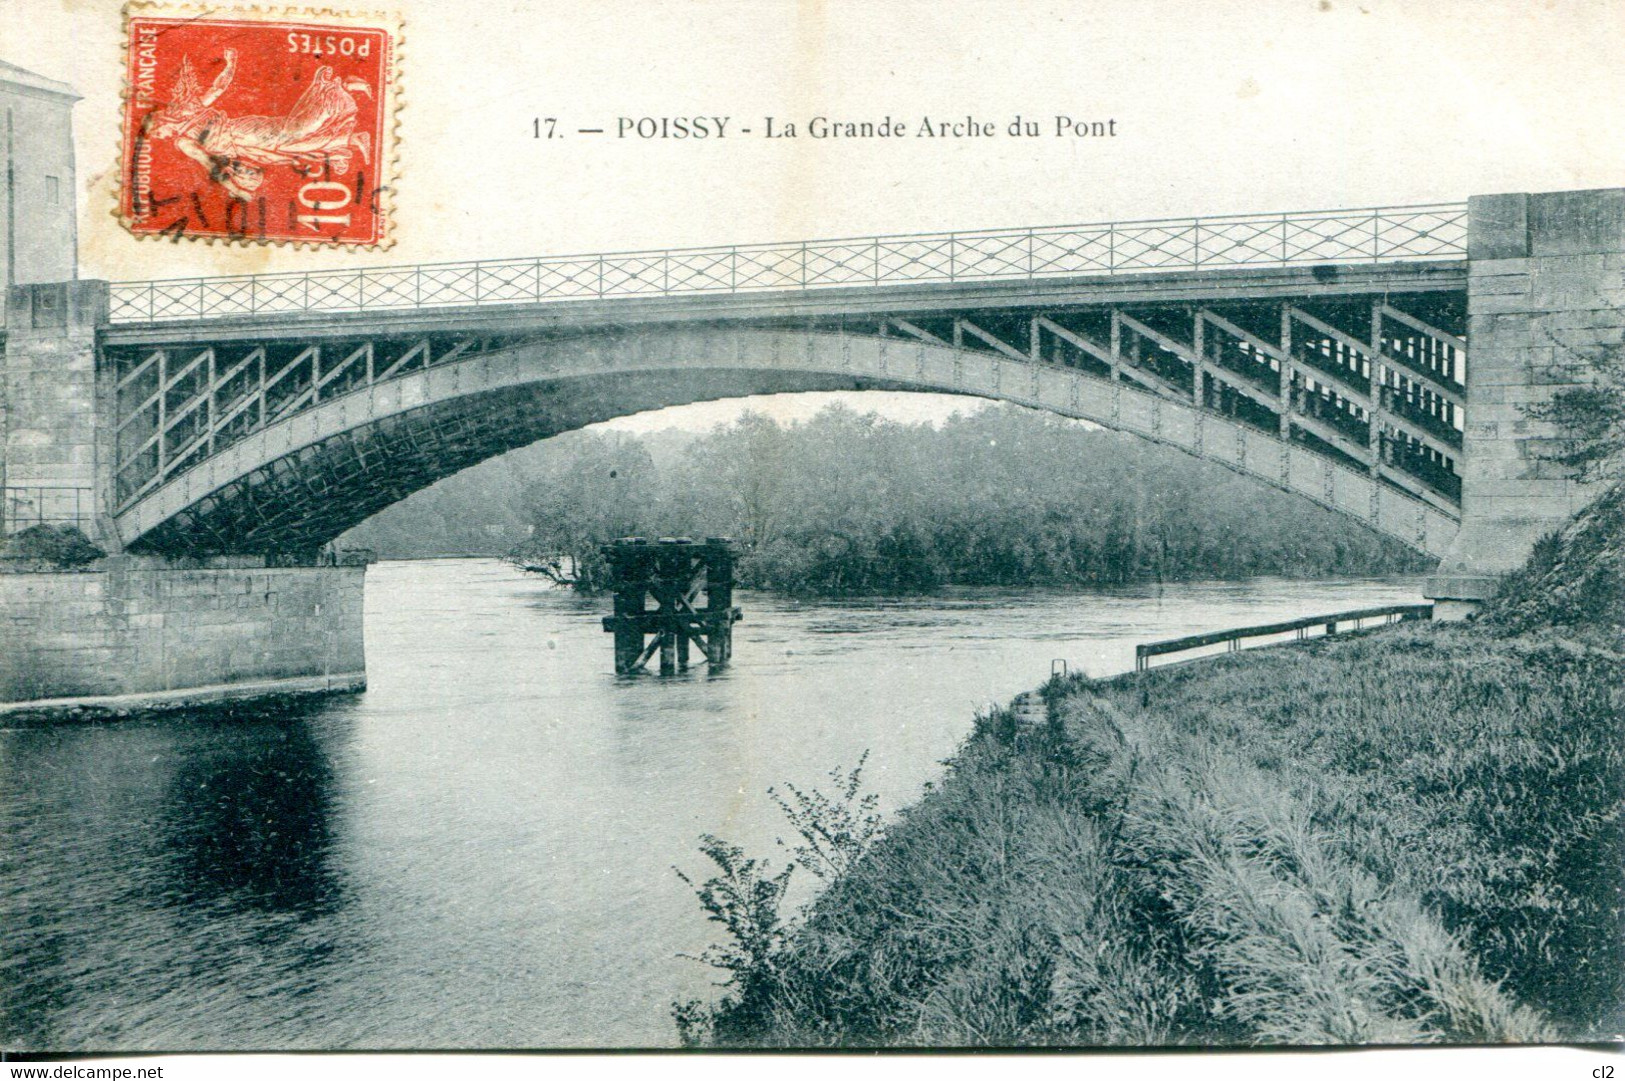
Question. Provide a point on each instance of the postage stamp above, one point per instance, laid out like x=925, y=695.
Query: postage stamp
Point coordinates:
x=259, y=126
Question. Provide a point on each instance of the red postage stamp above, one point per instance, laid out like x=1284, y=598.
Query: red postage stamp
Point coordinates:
x=258, y=126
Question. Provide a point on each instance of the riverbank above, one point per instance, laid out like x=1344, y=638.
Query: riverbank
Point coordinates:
x=1410, y=835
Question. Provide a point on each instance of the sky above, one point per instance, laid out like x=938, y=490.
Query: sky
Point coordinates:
x=1222, y=106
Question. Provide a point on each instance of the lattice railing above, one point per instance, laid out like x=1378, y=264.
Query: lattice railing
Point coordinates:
x=1317, y=237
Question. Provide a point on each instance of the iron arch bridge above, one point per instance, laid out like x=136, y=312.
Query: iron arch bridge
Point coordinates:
x=1323, y=354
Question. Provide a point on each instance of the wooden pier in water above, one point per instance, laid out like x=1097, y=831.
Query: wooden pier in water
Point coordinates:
x=690, y=587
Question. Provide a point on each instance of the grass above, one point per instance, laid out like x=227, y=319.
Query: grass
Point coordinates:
x=1408, y=836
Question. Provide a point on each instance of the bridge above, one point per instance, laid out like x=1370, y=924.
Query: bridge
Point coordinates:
x=237, y=424
x=1323, y=353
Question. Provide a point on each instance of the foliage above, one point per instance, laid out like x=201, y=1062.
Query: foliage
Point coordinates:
x=1480, y=781
x=59, y=545
x=850, y=503
x=1575, y=578
x=835, y=830
x=1301, y=943
x=1589, y=417
x=746, y=897
x=583, y=501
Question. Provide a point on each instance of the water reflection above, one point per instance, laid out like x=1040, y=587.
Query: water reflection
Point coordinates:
x=159, y=870
x=246, y=821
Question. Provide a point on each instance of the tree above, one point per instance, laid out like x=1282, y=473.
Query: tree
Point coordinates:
x=745, y=464
x=850, y=503
x=606, y=488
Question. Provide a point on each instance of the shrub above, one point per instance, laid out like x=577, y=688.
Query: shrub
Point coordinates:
x=1575, y=577
x=59, y=545
x=746, y=898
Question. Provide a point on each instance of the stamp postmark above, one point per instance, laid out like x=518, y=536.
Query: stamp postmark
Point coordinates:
x=259, y=126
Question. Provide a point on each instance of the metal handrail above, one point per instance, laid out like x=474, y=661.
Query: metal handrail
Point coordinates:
x=1234, y=637
x=1403, y=233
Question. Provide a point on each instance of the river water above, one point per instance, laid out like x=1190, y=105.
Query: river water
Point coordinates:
x=478, y=850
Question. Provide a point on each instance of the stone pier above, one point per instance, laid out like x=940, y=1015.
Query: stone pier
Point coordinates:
x=55, y=411
x=125, y=632
x=134, y=632
x=141, y=633
x=1545, y=303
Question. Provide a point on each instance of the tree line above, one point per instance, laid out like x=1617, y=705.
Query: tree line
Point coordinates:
x=853, y=503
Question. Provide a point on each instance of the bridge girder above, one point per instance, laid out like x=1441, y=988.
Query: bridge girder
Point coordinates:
x=245, y=446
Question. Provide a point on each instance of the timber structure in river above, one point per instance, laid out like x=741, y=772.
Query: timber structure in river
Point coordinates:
x=690, y=585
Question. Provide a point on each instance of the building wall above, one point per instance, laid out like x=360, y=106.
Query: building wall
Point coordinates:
x=39, y=240
x=138, y=629
x=1545, y=298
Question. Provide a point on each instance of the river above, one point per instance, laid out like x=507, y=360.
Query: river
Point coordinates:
x=478, y=851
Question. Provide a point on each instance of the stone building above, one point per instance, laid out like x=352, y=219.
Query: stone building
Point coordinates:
x=46, y=453
x=41, y=232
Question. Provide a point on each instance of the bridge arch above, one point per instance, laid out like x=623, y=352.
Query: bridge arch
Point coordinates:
x=300, y=481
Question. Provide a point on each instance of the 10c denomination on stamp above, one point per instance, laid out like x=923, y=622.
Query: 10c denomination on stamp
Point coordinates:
x=255, y=125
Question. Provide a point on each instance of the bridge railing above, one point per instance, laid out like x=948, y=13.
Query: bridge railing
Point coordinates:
x=1436, y=231
x=1235, y=636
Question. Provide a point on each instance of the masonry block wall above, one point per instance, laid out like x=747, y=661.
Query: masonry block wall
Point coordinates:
x=55, y=429
x=1545, y=297
x=135, y=629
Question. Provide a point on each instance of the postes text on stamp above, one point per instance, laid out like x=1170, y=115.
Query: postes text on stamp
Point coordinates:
x=255, y=126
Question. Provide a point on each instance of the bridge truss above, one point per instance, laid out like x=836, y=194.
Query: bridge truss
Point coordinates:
x=1362, y=382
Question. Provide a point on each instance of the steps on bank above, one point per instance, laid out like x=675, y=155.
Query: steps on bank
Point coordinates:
x=1029, y=709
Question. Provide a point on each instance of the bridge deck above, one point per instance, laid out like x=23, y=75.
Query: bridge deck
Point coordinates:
x=1208, y=286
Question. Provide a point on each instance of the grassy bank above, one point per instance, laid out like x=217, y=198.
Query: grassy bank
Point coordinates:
x=1412, y=835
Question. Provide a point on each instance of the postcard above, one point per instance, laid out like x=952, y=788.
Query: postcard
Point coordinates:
x=711, y=525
